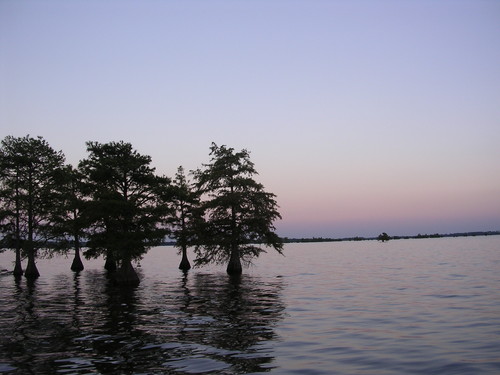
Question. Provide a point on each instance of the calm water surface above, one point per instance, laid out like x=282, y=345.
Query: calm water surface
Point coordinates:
x=427, y=306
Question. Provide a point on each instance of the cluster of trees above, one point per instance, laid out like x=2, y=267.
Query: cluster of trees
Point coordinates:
x=384, y=237
x=113, y=204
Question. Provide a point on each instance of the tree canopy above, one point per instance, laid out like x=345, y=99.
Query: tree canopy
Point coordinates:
x=73, y=221
x=239, y=214
x=32, y=177
x=185, y=217
x=115, y=205
x=126, y=212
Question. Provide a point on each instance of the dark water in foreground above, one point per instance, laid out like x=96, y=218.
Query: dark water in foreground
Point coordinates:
x=428, y=306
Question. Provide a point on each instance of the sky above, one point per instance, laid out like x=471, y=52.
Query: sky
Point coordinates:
x=361, y=116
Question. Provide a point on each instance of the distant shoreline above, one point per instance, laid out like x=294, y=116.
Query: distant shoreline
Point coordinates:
x=358, y=238
x=418, y=236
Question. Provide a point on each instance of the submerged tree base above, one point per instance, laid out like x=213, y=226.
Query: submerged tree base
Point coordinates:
x=77, y=264
x=185, y=265
x=234, y=267
x=18, y=270
x=126, y=275
x=31, y=270
x=110, y=264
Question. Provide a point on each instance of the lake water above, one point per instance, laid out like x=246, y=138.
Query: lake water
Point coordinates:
x=426, y=306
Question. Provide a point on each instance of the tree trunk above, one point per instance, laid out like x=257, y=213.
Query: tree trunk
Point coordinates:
x=185, y=265
x=31, y=269
x=18, y=268
x=126, y=275
x=234, y=265
x=77, y=264
x=110, y=264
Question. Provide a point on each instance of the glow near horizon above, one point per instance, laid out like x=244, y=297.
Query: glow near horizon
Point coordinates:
x=361, y=117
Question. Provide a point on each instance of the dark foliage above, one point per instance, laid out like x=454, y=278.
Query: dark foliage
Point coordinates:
x=238, y=213
x=31, y=196
x=126, y=213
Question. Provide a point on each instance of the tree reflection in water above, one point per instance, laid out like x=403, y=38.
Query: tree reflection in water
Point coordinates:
x=197, y=323
x=36, y=327
x=235, y=316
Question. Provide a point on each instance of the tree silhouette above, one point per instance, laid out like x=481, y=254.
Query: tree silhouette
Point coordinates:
x=32, y=174
x=185, y=202
x=10, y=199
x=383, y=237
x=125, y=210
x=238, y=213
x=72, y=221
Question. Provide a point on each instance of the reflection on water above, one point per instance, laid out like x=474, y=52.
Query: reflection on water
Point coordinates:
x=404, y=307
x=197, y=323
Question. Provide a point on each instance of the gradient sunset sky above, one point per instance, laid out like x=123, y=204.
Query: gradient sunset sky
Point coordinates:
x=361, y=116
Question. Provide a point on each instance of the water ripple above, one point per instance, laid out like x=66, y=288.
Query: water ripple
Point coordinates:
x=413, y=307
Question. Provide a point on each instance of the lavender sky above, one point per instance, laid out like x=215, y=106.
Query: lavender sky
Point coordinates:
x=361, y=116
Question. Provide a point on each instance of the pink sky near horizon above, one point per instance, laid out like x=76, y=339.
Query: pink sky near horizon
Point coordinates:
x=361, y=117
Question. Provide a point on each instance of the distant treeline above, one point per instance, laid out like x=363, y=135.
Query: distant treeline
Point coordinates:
x=357, y=238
